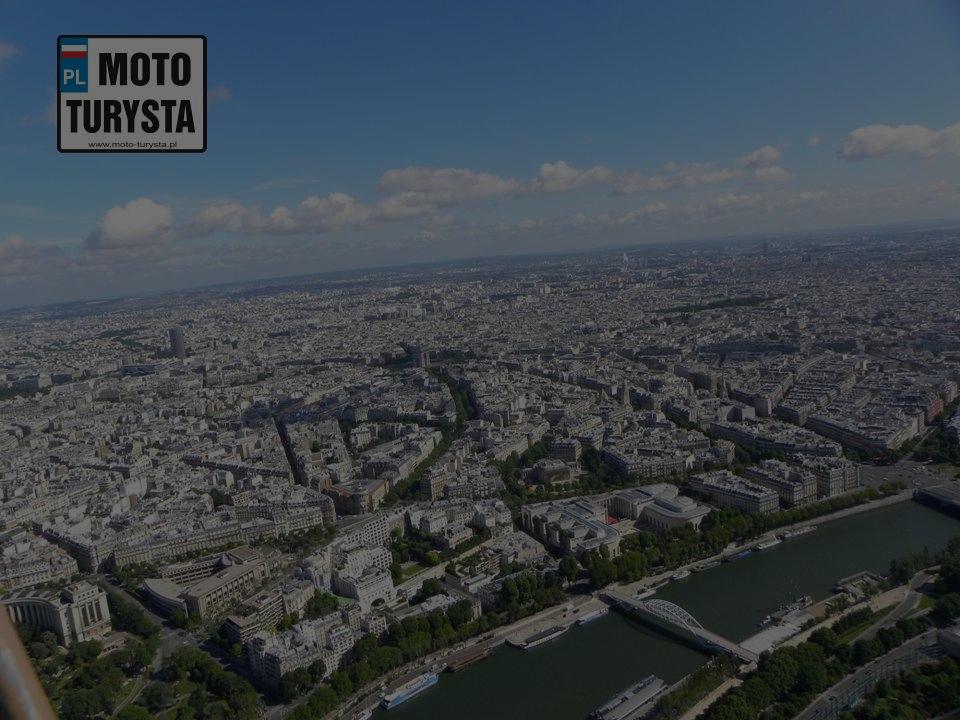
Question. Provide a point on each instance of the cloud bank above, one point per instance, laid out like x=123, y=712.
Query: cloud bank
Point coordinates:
x=914, y=140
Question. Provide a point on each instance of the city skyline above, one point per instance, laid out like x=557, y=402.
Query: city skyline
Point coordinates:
x=437, y=133
x=311, y=498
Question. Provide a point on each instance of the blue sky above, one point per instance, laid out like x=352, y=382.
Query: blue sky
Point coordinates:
x=355, y=134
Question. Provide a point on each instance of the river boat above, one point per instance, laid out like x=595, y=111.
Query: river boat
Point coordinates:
x=624, y=704
x=591, y=616
x=409, y=689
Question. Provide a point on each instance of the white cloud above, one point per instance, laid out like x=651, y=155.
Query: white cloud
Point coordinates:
x=223, y=216
x=219, y=93
x=723, y=204
x=11, y=246
x=20, y=260
x=761, y=165
x=561, y=177
x=415, y=193
x=630, y=217
x=337, y=211
x=915, y=140
x=673, y=175
x=139, y=222
x=761, y=157
x=422, y=189
x=7, y=51
x=770, y=173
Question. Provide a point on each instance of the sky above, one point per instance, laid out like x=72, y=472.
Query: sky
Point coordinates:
x=361, y=134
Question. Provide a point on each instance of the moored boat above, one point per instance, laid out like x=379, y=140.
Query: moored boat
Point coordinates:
x=630, y=700
x=544, y=636
x=591, y=616
x=408, y=690
x=798, y=532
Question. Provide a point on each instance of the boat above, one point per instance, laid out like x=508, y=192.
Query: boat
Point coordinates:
x=680, y=575
x=363, y=715
x=798, y=532
x=544, y=636
x=408, y=690
x=766, y=621
x=737, y=556
x=591, y=616
x=799, y=602
x=624, y=704
x=767, y=544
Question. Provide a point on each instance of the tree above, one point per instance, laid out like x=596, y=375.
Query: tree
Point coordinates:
x=569, y=569
x=49, y=639
x=317, y=670
x=158, y=696
x=85, y=652
x=130, y=618
x=429, y=588
x=946, y=609
x=134, y=712
x=341, y=683
x=950, y=573
x=460, y=613
x=80, y=704
x=322, y=603
x=38, y=651
x=294, y=683
x=287, y=621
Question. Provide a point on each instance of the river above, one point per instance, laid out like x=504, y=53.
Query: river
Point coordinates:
x=567, y=678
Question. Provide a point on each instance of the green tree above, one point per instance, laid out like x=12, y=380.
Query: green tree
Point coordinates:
x=134, y=712
x=85, y=652
x=946, y=609
x=569, y=569
x=80, y=704
x=158, y=696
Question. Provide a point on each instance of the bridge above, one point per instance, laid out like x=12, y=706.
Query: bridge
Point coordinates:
x=946, y=495
x=668, y=616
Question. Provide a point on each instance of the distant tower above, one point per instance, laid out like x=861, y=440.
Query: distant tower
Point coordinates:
x=625, y=263
x=177, y=345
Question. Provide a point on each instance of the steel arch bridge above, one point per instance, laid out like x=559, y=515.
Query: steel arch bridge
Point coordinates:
x=672, y=613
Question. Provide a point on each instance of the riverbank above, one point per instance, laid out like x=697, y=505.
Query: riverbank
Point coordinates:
x=565, y=615
x=568, y=614
x=581, y=670
x=734, y=548
x=883, y=603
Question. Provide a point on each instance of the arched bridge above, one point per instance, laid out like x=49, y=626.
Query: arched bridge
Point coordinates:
x=670, y=612
x=669, y=616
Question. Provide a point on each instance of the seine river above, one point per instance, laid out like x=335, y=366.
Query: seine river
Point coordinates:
x=566, y=679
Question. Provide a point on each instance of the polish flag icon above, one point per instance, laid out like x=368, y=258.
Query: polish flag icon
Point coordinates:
x=76, y=48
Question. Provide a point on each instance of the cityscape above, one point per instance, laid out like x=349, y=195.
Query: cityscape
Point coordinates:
x=321, y=493
x=480, y=361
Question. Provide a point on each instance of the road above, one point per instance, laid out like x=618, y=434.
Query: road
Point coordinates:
x=909, y=603
x=912, y=473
